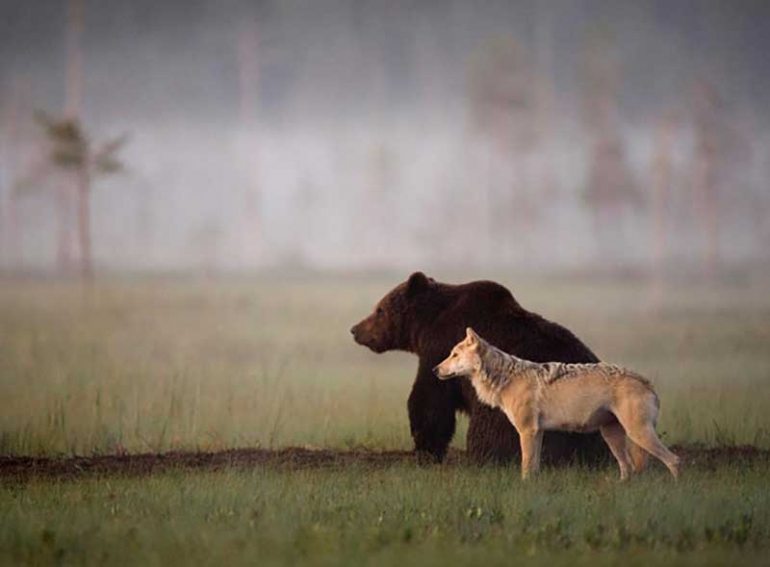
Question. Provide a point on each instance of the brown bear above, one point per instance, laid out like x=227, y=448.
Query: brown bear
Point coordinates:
x=428, y=318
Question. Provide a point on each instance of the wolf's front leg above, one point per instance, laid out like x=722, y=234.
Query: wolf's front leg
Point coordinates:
x=531, y=441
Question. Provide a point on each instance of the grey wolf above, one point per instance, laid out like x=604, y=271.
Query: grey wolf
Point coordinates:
x=537, y=397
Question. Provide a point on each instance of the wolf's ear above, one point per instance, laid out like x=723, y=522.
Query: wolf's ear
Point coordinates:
x=417, y=283
x=471, y=335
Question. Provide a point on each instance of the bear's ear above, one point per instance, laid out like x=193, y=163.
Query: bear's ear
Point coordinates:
x=417, y=283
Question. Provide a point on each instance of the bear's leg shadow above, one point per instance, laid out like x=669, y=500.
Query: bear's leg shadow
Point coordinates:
x=432, y=406
x=564, y=447
x=492, y=439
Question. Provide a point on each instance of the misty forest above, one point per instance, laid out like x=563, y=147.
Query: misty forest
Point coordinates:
x=353, y=134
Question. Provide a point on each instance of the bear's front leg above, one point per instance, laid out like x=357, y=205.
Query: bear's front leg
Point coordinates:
x=432, y=406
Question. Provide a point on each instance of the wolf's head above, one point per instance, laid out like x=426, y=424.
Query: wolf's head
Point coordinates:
x=465, y=358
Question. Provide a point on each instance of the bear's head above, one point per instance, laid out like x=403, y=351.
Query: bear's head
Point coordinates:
x=397, y=317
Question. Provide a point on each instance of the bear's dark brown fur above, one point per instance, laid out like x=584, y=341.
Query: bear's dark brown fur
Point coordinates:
x=428, y=318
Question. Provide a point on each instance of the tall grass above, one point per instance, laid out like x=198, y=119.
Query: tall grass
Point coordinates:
x=154, y=365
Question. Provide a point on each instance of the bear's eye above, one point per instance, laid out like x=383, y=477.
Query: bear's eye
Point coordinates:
x=379, y=311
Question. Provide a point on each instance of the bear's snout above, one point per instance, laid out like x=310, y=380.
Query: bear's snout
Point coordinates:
x=358, y=333
x=364, y=335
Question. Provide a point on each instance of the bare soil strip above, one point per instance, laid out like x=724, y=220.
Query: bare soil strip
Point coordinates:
x=24, y=469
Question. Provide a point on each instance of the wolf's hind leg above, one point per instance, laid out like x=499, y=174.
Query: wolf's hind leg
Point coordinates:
x=615, y=436
x=648, y=440
x=637, y=455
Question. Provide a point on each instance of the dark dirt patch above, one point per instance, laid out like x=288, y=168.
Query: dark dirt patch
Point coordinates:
x=24, y=469
x=710, y=458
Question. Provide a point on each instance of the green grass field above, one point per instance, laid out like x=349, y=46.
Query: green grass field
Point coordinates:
x=155, y=365
x=401, y=515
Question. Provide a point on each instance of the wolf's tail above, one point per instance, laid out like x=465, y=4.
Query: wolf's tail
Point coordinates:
x=637, y=454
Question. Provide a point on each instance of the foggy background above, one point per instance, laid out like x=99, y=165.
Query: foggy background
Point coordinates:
x=355, y=134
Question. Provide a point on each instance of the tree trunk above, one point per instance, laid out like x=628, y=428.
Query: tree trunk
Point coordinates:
x=16, y=162
x=84, y=223
x=708, y=130
x=248, y=95
x=10, y=165
x=64, y=256
x=14, y=242
x=73, y=91
x=661, y=188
